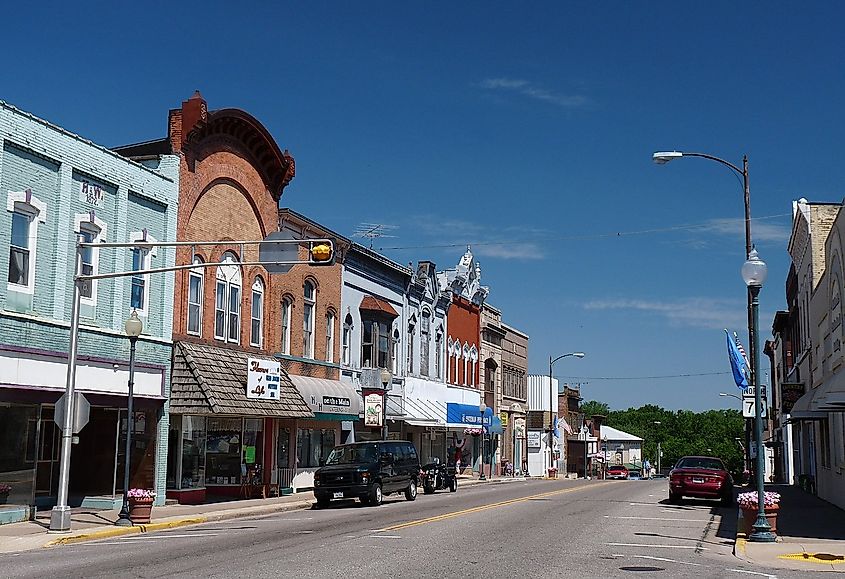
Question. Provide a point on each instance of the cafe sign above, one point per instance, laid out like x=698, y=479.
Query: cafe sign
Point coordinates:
x=263, y=379
x=373, y=407
x=790, y=393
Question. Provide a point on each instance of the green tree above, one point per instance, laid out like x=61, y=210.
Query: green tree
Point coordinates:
x=593, y=407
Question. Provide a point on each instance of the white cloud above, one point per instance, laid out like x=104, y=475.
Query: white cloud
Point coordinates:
x=696, y=312
x=534, y=91
x=485, y=240
x=761, y=231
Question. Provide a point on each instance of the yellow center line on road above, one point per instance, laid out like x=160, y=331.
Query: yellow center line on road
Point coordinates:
x=489, y=506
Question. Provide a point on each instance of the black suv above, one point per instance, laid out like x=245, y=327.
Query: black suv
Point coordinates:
x=368, y=471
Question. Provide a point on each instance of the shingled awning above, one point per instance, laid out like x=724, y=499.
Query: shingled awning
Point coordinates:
x=378, y=305
x=211, y=380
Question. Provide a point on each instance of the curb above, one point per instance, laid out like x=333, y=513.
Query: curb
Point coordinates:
x=178, y=522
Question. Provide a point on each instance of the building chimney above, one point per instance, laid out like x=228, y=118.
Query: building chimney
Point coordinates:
x=194, y=112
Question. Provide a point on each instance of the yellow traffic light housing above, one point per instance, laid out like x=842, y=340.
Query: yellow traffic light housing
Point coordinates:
x=321, y=253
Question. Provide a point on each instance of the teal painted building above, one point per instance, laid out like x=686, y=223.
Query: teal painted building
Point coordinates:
x=56, y=186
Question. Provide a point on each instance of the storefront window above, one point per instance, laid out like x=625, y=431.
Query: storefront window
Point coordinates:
x=283, y=448
x=253, y=442
x=223, y=466
x=193, y=452
x=313, y=445
x=18, y=427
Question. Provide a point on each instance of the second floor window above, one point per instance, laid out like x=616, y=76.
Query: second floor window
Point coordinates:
x=195, y=289
x=375, y=344
x=346, y=338
x=425, y=327
x=411, y=331
x=438, y=355
x=308, y=308
x=286, y=311
x=227, y=301
x=138, y=293
x=19, y=249
x=257, y=314
x=330, y=337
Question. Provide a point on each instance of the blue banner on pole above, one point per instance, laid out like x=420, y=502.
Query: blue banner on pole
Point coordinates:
x=738, y=367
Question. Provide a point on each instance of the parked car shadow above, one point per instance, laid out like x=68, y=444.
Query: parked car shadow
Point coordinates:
x=726, y=515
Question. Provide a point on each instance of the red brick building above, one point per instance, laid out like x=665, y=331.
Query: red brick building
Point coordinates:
x=223, y=438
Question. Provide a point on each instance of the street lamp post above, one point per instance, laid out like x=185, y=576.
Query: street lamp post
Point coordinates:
x=659, y=452
x=663, y=157
x=133, y=326
x=386, y=380
x=552, y=399
x=482, y=408
x=754, y=273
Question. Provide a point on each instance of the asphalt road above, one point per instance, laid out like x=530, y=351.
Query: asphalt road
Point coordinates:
x=517, y=529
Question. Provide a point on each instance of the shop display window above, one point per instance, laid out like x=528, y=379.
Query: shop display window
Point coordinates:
x=18, y=425
x=283, y=448
x=193, y=452
x=223, y=450
x=313, y=445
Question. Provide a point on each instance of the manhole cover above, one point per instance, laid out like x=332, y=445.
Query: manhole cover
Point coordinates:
x=815, y=557
x=641, y=568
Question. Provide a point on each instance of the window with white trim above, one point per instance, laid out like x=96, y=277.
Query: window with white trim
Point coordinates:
x=92, y=230
x=310, y=305
x=286, y=311
x=466, y=364
x=227, y=300
x=330, y=337
x=256, y=327
x=27, y=211
x=425, y=342
x=438, y=355
x=346, y=337
x=139, y=292
x=411, y=331
x=396, y=355
x=196, y=278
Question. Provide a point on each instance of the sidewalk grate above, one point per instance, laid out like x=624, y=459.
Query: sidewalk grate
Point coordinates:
x=825, y=558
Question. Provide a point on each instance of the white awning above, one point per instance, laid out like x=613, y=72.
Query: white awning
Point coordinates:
x=831, y=394
x=806, y=407
x=326, y=396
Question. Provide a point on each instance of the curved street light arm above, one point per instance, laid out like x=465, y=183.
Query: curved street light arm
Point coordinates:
x=718, y=160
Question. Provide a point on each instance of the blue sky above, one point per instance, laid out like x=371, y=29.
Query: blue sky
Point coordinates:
x=525, y=133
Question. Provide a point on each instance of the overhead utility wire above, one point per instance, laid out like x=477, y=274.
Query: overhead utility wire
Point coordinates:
x=687, y=227
x=643, y=377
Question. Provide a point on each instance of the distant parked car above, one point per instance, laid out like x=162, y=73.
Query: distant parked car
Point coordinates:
x=702, y=477
x=617, y=471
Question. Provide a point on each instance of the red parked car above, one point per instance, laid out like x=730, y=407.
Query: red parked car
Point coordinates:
x=617, y=471
x=703, y=477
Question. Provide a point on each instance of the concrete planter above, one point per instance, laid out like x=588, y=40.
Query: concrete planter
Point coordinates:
x=140, y=510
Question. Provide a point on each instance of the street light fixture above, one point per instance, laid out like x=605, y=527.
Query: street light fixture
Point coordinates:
x=754, y=272
x=552, y=398
x=731, y=395
x=482, y=408
x=663, y=157
x=133, y=326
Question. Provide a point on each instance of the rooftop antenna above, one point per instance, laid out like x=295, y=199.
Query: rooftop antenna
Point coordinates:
x=373, y=231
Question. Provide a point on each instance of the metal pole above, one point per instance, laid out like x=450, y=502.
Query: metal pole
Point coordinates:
x=384, y=414
x=481, y=462
x=748, y=245
x=761, y=531
x=658, y=456
x=586, y=442
x=123, y=519
x=60, y=515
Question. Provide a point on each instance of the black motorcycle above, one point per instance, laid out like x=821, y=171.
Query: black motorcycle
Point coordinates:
x=436, y=476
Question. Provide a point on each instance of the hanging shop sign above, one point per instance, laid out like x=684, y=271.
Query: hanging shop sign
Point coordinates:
x=373, y=407
x=262, y=379
x=790, y=393
x=503, y=416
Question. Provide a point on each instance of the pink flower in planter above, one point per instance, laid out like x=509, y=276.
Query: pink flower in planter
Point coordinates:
x=749, y=500
x=141, y=494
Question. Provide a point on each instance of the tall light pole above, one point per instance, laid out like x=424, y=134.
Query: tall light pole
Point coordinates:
x=552, y=398
x=663, y=157
x=659, y=452
x=482, y=408
x=133, y=326
x=386, y=380
x=754, y=272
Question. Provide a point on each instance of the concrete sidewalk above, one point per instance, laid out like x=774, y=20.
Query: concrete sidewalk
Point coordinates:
x=811, y=535
x=92, y=524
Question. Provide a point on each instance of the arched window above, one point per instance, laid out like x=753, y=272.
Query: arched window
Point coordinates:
x=438, y=355
x=412, y=329
x=310, y=305
x=425, y=329
x=473, y=365
x=345, y=339
x=466, y=364
x=287, y=304
x=256, y=327
x=330, y=336
x=227, y=301
x=196, y=277
x=449, y=373
x=397, y=344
